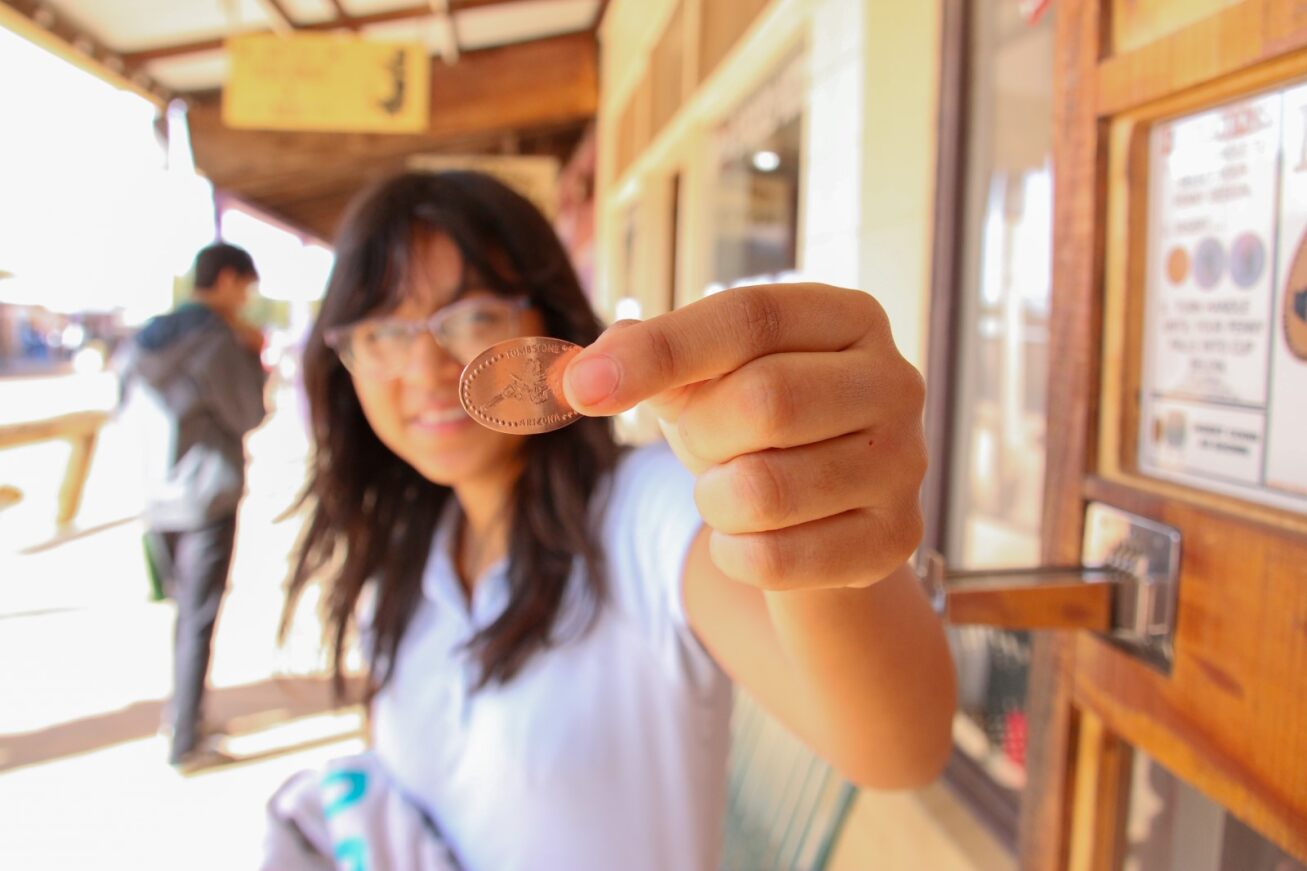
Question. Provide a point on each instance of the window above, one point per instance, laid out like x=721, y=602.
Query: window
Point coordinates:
x=988, y=507
x=755, y=202
x=1170, y=826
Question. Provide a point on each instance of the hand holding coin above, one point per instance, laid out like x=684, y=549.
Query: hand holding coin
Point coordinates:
x=796, y=412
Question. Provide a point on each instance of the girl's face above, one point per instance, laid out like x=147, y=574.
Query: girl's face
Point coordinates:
x=416, y=412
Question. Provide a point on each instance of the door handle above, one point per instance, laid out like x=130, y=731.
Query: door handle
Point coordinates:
x=1125, y=586
x=1041, y=597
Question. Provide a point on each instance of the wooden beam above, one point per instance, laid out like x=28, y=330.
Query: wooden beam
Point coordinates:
x=39, y=24
x=600, y=12
x=314, y=200
x=543, y=91
x=73, y=425
x=1100, y=797
x=443, y=23
x=529, y=86
x=343, y=17
x=81, y=429
x=136, y=59
x=281, y=20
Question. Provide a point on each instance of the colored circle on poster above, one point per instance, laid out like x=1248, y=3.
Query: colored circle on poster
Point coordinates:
x=1294, y=311
x=1177, y=265
x=1209, y=263
x=1247, y=260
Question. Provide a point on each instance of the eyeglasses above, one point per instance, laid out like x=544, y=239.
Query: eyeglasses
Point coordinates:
x=380, y=348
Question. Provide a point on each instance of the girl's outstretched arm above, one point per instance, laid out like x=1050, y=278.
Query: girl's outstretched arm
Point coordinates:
x=802, y=424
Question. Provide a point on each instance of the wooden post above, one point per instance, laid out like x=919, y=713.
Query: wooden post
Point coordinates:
x=1102, y=783
x=82, y=429
x=74, y=483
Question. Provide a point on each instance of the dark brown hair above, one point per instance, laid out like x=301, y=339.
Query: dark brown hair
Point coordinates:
x=372, y=516
x=211, y=261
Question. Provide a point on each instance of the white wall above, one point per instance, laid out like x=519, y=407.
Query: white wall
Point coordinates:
x=831, y=216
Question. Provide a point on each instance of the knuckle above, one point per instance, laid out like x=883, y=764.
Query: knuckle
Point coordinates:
x=662, y=353
x=706, y=499
x=916, y=461
x=760, y=314
x=871, y=310
x=764, y=561
x=914, y=387
x=899, y=533
x=689, y=435
x=760, y=490
x=767, y=402
x=914, y=526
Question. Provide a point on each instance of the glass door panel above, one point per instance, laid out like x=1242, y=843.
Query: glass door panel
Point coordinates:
x=995, y=493
x=1170, y=826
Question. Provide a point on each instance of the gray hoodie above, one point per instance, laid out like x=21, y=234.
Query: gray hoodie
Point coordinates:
x=197, y=391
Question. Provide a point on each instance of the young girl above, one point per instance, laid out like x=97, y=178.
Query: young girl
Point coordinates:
x=554, y=624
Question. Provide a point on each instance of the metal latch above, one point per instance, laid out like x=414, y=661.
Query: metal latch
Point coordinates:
x=1125, y=586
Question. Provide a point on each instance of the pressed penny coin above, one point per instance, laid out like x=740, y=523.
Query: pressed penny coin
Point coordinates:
x=517, y=386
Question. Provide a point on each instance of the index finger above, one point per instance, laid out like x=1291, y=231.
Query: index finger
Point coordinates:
x=712, y=337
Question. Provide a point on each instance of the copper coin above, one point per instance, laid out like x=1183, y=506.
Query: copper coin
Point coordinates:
x=517, y=386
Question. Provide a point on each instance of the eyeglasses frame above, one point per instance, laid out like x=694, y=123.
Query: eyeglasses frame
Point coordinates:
x=335, y=337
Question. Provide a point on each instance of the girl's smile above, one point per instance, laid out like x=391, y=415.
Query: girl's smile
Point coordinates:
x=439, y=420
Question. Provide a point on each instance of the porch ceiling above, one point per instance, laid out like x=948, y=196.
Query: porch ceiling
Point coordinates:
x=508, y=76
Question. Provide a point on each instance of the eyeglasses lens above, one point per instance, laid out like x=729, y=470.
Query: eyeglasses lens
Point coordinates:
x=380, y=348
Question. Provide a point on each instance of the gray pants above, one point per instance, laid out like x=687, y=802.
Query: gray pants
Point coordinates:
x=193, y=565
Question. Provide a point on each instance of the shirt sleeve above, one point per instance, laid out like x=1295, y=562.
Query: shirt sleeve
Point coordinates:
x=650, y=523
x=232, y=382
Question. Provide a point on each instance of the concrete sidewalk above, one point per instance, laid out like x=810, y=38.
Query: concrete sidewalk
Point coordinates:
x=87, y=670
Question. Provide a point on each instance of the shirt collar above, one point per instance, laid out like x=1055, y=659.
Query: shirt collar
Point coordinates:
x=440, y=582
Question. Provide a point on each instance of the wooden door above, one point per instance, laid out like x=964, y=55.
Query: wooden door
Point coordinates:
x=1229, y=714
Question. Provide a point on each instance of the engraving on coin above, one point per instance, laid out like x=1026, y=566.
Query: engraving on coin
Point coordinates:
x=517, y=386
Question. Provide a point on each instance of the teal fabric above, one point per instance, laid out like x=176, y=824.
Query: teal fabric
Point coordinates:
x=786, y=805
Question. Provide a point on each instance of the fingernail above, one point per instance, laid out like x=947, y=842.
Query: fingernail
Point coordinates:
x=593, y=379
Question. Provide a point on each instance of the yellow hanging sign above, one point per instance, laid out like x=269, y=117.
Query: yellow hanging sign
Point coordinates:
x=326, y=82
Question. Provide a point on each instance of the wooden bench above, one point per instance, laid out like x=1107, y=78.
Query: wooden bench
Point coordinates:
x=81, y=429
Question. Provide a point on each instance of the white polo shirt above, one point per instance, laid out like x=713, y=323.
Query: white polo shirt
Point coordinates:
x=606, y=752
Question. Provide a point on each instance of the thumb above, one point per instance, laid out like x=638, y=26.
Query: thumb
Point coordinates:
x=601, y=374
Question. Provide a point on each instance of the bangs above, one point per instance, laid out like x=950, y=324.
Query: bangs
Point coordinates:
x=483, y=256
x=506, y=246
x=395, y=276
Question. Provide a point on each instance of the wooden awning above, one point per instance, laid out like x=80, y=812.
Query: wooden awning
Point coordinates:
x=506, y=77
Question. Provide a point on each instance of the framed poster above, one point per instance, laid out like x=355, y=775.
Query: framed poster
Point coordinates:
x=1223, y=389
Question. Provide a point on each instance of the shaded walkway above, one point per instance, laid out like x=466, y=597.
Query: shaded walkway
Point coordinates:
x=85, y=672
x=240, y=709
